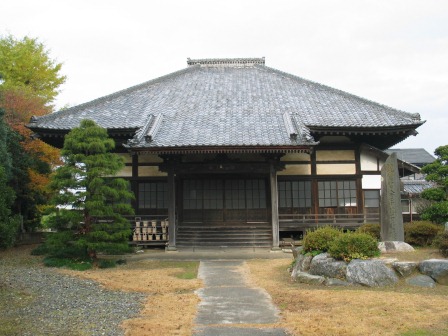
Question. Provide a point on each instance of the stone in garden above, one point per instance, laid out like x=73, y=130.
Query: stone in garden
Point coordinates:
x=436, y=269
x=336, y=282
x=404, y=268
x=394, y=246
x=421, y=281
x=326, y=266
x=387, y=261
x=310, y=279
x=371, y=273
x=302, y=264
x=296, y=251
x=391, y=215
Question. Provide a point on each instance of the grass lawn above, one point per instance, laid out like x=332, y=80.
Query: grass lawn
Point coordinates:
x=169, y=310
x=171, y=304
x=317, y=310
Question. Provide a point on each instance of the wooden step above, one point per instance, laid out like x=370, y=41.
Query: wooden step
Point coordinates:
x=246, y=235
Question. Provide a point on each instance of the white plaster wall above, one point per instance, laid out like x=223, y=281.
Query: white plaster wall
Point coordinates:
x=336, y=169
x=371, y=182
x=303, y=169
x=125, y=172
x=335, y=155
x=368, y=162
x=296, y=157
x=150, y=171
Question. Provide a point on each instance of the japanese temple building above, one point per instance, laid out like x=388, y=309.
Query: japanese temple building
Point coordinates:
x=230, y=152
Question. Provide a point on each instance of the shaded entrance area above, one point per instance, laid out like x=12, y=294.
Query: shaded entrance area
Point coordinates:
x=224, y=211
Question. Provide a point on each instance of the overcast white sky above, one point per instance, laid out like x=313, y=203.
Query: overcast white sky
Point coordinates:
x=394, y=52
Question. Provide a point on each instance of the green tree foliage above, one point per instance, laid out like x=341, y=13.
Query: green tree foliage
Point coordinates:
x=26, y=64
x=85, y=185
x=8, y=224
x=437, y=172
x=29, y=83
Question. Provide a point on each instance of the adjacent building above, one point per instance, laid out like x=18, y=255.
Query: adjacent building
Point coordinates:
x=231, y=152
x=413, y=184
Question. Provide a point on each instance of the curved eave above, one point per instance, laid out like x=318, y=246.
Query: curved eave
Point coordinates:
x=55, y=137
x=224, y=149
x=381, y=130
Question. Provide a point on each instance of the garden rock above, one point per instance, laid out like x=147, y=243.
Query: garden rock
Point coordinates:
x=394, y=246
x=404, y=268
x=436, y=269
x=421, y=281
x=326, y=266
x=307, y=278
x=302, y=264
x=296, y=251
x=370, y=273
x=336, y=282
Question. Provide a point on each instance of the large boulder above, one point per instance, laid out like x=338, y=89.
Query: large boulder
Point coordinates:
x=421, y=281
x=324, y=265
x=307, y=278
x=404, y=268
x=436, y=269
x=302, y=264
x=394, y=247
x=371, y=273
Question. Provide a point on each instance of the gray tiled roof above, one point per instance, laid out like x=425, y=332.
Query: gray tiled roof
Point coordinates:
x=416, y=186
x=228, y=103
x=417, y=156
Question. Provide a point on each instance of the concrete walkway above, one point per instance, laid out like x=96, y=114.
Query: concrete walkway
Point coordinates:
x=227, y=300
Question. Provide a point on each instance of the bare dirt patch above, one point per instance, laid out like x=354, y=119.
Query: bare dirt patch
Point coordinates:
x=316, y=310
x=171, y=305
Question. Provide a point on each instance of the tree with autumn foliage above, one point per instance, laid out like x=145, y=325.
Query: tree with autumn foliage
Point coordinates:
x=26, y=64
x=91, y=202
x=29, y=83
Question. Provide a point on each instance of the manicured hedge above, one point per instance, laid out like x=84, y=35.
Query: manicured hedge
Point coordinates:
x=421, y=233
x=319, y=240
x=353, y=245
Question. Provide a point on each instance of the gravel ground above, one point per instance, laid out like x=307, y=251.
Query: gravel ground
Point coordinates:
x=64, y=305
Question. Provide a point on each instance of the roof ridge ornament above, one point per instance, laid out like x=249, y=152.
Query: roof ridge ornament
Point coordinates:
x=156, y=123
x=289, y=126
x=225, y=62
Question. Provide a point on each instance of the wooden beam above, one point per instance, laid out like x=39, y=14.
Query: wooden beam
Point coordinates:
x=274, y=206
x=171, y=211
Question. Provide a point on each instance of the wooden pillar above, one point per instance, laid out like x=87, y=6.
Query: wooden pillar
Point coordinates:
x=134, y=183
x=171, y=211
x=274, y=206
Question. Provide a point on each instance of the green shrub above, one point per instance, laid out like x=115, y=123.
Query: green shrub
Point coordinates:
x=441, y=243
x=9, y=229
x=42, y=249
x=421, y=233
x=61, y=245
x=68, y=263
x=353, y=245
x=320, y=239
x=372, y=229
x=105, y=263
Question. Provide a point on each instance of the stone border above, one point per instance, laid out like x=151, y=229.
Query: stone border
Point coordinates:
x=323, y=269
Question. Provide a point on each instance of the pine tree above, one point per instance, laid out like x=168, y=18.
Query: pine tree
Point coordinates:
x=437, y=172
x=92, y=201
